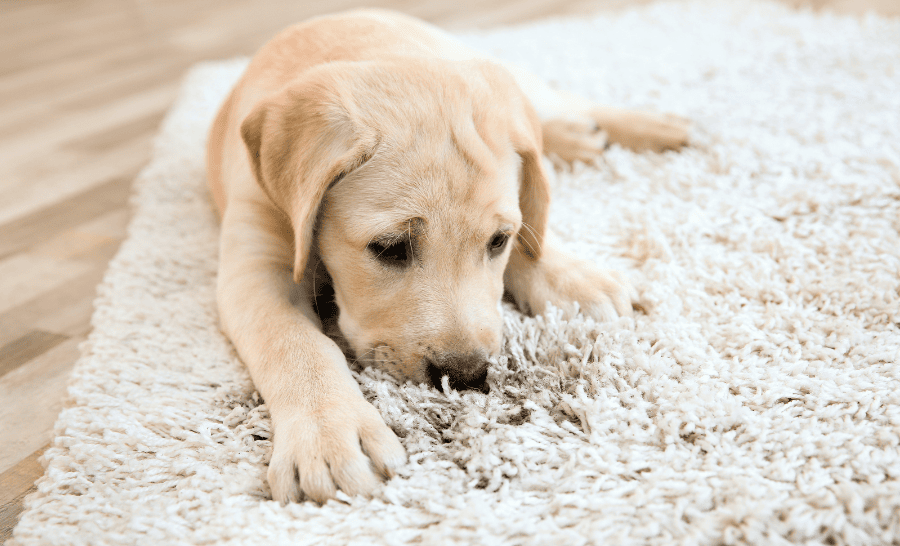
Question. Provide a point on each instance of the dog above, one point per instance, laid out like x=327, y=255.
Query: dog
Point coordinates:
x=370, y=154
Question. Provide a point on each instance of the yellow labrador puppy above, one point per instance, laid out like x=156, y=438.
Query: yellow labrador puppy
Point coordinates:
x=373, y=154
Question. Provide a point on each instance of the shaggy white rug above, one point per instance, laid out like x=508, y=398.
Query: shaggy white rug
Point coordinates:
x=757, y=402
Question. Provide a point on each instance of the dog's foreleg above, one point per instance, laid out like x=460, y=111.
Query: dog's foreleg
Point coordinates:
x=561, y=279
x=326, y=435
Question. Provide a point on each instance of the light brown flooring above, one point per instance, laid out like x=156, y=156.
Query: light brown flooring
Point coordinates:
x=83, y=86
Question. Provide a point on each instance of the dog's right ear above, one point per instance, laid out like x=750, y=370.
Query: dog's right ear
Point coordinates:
x=302, y=140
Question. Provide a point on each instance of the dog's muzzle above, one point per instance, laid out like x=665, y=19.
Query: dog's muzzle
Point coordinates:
x=464, y=371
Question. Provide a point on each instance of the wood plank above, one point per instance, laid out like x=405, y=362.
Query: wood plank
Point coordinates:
x=27, y=151
x=72, y=245
x=39, y=226
x=90, y=241
x=27, y=275
x=64, y=310
x=66, y=174
x=29, y=346
x=15, y=484
x=99, y=254
x=111, y=223
x=67, y=309
x=108, y=137
x=32, y=397
x=71, y=90
x=47, y=14
x=71, y=76
x=89, y=35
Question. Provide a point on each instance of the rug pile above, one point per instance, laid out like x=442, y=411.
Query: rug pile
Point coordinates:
x=756, y=402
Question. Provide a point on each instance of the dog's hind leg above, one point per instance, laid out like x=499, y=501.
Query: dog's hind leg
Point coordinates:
x=576, y=129
x=573, y=126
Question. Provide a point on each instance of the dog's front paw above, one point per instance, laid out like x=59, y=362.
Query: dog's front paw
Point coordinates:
x=563, y=280
x=343, y=446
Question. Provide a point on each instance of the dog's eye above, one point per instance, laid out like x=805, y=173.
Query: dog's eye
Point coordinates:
x=394, y=253
x=497, y=242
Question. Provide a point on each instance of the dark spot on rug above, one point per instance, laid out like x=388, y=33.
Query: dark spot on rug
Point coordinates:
x=438, y=420
x=733, y=427
x=516, y=417
x=570, y=385
x=400, y=432
x=512, y=364
x=482, y=483
x=563, y=412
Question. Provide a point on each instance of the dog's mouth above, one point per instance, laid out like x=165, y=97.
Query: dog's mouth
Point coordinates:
x=476, y=382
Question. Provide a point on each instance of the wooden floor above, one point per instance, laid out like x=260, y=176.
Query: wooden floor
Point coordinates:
x=83, y=86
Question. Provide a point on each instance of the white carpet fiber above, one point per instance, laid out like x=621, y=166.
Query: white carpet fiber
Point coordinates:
x=757, y=402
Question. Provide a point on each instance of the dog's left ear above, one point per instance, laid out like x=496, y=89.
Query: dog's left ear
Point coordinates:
x=534, y=197
x=300, y=141
x=534, y=187
x=520, y=121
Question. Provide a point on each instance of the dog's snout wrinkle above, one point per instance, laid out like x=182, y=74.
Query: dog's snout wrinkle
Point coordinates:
x=463, y=371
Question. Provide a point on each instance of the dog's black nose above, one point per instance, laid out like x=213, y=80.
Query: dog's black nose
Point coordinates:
x=464, y=371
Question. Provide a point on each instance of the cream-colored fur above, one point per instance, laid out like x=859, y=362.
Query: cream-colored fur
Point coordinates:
x=373, y=153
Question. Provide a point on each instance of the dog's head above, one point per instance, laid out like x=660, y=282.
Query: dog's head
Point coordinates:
x=414, y=181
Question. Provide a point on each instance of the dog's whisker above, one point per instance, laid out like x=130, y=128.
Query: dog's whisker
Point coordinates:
x=367, y=359
x=409, y=235
x=534, y=235
x=315, y=288
x=531, y=230
x=362, y=357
